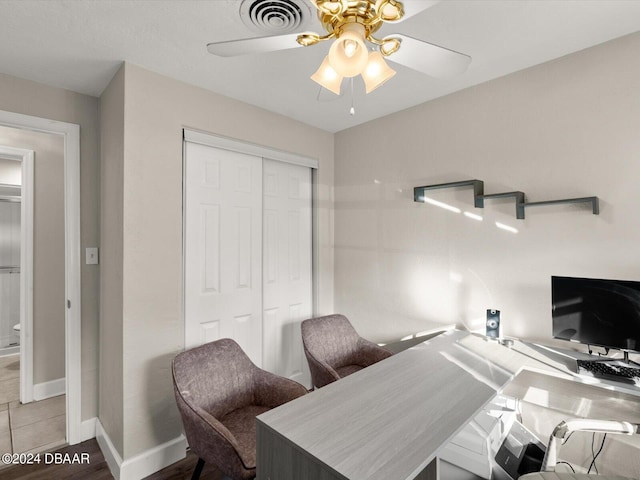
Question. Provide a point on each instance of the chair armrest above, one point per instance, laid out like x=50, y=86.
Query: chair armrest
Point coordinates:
x=565, y=428
x=321, y=372
x=370, y=353
x=210, y=439
x=272, y=390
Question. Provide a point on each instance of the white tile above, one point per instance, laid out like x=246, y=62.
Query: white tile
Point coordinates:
x=9, y=367
x=5, y=443
x=9, y=359
x=48, y=447
x=33, y=412
x=9, y=390
x=39, y=434
x=4, y=421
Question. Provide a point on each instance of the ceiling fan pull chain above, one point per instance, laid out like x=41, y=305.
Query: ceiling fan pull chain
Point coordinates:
x=352, y=110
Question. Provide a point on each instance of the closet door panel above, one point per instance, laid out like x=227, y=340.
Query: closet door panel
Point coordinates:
x=223, y=248
x=287, y=273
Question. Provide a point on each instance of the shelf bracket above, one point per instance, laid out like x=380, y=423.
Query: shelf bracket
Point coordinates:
x=478, y=190
x=519, y=197
x=595, y=203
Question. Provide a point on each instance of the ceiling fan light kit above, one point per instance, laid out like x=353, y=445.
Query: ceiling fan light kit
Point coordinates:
x=352, y=25
x=327, y=77
x=349, y=55
x=377, y=72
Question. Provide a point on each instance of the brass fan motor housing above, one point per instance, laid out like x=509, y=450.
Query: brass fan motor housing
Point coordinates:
x=368, y=13
x=359, y=11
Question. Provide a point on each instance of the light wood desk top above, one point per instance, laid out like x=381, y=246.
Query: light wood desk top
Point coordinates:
x=389, y=420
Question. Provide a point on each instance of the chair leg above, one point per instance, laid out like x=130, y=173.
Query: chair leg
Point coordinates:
x=198, y=469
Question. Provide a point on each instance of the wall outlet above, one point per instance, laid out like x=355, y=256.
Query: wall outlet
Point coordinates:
x=91, y=254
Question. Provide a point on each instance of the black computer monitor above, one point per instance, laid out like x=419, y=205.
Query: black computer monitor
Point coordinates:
x=597, y=312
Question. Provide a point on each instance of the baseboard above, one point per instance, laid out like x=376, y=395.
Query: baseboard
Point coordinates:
x=144, y=464
x=88, y=429
x=49, y=389
x=8, y=351
x=154, y=459
x=111, y=455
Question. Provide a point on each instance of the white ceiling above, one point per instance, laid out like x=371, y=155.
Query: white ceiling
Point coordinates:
x=80, y=44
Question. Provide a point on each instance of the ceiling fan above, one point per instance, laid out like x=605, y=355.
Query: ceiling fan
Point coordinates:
x=352, y=24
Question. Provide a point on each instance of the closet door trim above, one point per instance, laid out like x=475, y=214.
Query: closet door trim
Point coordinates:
x=226, y=143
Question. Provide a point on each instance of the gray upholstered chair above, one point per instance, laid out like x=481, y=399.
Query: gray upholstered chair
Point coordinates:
x=219, y=392
x=562, y=432
x=334, y=349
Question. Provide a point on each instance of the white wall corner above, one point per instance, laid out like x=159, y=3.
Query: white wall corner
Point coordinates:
x=88, y=429
x=53, y=388
x=143, y=464
x=111, y=455
x=154, y=459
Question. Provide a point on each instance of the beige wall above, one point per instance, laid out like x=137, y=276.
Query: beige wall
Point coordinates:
x=30, y=98
x=48, y=249
x=156, y=109
x=567, y=128
x=111, y=175
x=10, y=170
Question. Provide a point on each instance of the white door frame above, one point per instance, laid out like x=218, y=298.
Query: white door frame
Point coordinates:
x=73, y=372
x=26, y=267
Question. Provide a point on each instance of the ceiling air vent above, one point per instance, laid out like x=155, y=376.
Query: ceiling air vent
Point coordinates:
x=273, y=17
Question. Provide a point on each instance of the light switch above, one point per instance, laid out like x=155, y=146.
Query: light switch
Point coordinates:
x=92, y=256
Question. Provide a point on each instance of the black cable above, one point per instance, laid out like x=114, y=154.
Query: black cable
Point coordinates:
x=567, y=439
x=567, y=463
x=593, y=462
x=593, y=453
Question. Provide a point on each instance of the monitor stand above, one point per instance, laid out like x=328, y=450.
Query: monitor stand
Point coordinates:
x=628, y=361
x=625, y=359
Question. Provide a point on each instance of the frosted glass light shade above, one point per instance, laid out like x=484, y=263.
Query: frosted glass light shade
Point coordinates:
x=348, y=55
x=327, y=77
x=376, y=72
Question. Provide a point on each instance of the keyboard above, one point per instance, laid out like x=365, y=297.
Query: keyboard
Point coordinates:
x=616, y=371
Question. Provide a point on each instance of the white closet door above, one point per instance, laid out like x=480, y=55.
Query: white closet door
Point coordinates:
x=223, y=248
x=287, y=275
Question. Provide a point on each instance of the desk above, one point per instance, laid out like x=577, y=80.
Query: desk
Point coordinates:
x=389, y=420
x=385, y=422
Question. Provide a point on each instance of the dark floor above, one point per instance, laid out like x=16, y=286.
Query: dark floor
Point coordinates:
x=97, y=468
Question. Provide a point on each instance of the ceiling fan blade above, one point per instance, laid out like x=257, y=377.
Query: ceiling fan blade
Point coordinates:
x=413, y=7
x=428, y=58
x=249, y=46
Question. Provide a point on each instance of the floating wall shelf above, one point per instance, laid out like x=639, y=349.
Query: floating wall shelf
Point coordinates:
x=479, y=197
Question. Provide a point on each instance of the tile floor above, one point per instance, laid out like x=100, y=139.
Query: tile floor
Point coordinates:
x=34, y=427
x=9, y=379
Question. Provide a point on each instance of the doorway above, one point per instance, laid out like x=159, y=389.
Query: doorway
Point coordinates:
x=248, y=243
x=70, y=135
x=15, y=163
x=16, y=254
